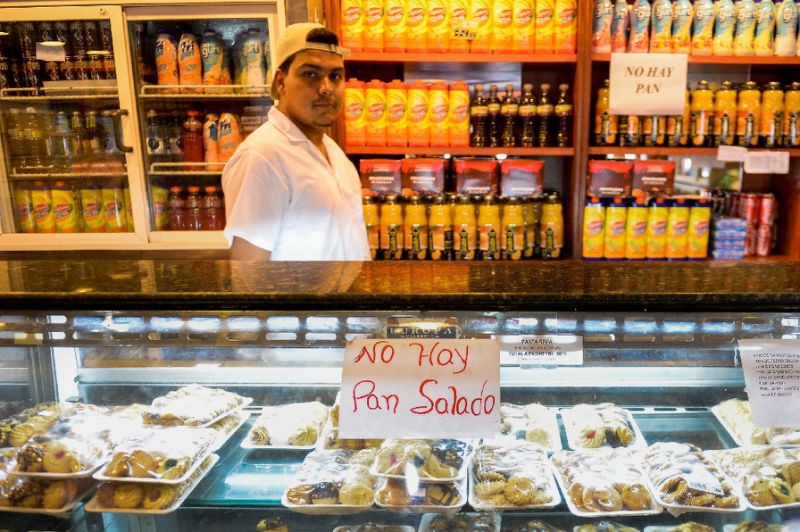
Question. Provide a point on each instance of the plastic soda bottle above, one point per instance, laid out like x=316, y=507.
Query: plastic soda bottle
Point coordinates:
x=615, y=228
x=678, y=230
x=43, y=217
x=724, y=28
x=211, y=142
x=566, y=27
x=594, y=218
x=464, y=229
x=764, y=39
x=438, y=26
x=661, y=27
x=785, y=28
x=544, y=38
x=703, y=27
x=418, y=125
x=601, y=26
x=682, y=17
x=23, y=207
x=532, y=214
x=493, y=106
x=745, y=27
x=791, y=121
x=438, y=109
x=479, y=118
x=509, y=109
x=415, y=229
x=213, y=210
x=190, y=63
x=391, y=229
x=166, y=54
x=65, y=208
x=372, y=221
x=417, y=26
x=725, y=111
x=657, y=221
x=375, y=100
x=396, y=119
x=636, y=230
x=512, y=231
x=113, y=199
x=527, y=116
x=619, y=27
x=489, y=229
x=440, y=230
x=373, y=25
x=126, y=193
x=551, y=227
x=394, y=26
x=230, y=135
x=352, y=18
x=702, y=115
x=458, y=115
x=215, y=63
x=699, y=226
x=639, y=37
x=177, y=209
x=193, y=209
x=481, y=11
x=459, y=11
x=748, y=114
x=524, y=25
x=354, y=117
x=192, y=139
x=503, y=26
x=159, y=197
x=772, y=110
x=605, y=124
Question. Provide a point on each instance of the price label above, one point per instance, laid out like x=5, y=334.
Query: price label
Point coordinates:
x=465, y=31
x=420, y=388
x=543, y=349
x=733, y=154
x=706, y=483
x=767, y=162
x=772, y=379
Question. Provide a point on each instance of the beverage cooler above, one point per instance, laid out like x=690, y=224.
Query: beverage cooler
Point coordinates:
x=118, y=120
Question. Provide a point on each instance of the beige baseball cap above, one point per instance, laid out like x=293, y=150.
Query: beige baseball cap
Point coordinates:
x=293, y=41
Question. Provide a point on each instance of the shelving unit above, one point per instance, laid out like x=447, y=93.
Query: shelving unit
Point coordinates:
x=447, y=57
x=724, y=60
x=476, y=152
x=679, y=151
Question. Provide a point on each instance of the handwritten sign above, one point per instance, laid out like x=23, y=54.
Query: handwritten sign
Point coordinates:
x=767, y=162
x=772, y=377
x=642, y=84
x=543, y=350
x=420, y=388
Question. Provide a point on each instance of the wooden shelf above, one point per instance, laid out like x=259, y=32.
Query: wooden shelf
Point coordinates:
x=405, y=57
x=725, y=60
x=527, y=152
x=683, y=151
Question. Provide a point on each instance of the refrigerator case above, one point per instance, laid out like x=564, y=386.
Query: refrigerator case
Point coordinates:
x=668, y=370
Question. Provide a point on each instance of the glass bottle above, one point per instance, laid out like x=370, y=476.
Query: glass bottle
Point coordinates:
x=478, y=112
x=527, y=117
x=563, y=111
x=493, y=106
x=544, y=110
x=510, y=110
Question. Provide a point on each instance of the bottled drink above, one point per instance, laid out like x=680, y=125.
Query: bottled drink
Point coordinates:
x=192, y=139
x=703, y=27
x=36, y=155
x=190, y=63
x=512, y=232
x=105, y=122
x=156, y=149
x=725, y=14
x=605, y=124
x=677, y=230
x=355, y=113
x=166, y=58
x=725, y=115
x=114, y=211
x=551, y=227
x=23, y=207
x=527, y=115
x=563, y=112
x=105, y=36
x=791, y=122
x=15, y=139
x=230, y=135
x=594, y=218
x=654, y=130
x=177, y=209
x=372, y=222
x=92, y=213
x=440, y=230
x=702, y=112
x=92, y=38
x=78, y=137
x=415, y=229
x=657, y=222
x=42, y=201
x=601, y=26
x=544, y=110
x=699, y=225
x=458, y=114
x=213, y=214
x=94, y=65
x=464, y=229
x=479, y=114
x=493, y=108
x=489, y=227
x=253, y=59
x=509, y=110
x=418, y=123
x=65, y=208
x=93, y=134
x=193, y=209
x=61, y=144
x=375, y=100
x=173, y=141
x=438, y=107
x=636, y=230
x=748, y=114
x=211, y=142
x=391, y=229
x=532, y=214
x=772, y=110
x=614, y=231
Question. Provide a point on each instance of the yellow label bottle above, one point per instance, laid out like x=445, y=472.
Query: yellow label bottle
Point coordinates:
x=489, y=227
x=657, y=220
x=616, y=225
x=551, y=227
x=94, y=218
x=565, y=32
x=394, y=26
x=545, y=27
x=503, y=26
x=524, y=25
x=594, y=219
x=415, y=229
x=464, y=229
x=791, y=121
x=438, y=26
x=725, y=114
x=391, y=229
x=23, y=207
x=355, y=120
x=396, y=120
x=43, y=217
x=353, y=24
x=417, y=26
x=65, y=208
x=678, y=230
x=699, y=226
x=512, y=237
x=114, y=208
x=373, y=25
x=772, y=110
x=481, y=11
x=748, y=114
x=636, y=231
x=532, y=212
x=440, y=229
x=702, y=112
x=372, y=221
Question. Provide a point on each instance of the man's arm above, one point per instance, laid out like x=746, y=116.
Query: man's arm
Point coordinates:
x=241, y=249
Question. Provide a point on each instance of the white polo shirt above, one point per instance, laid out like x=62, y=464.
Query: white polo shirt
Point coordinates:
x=282, y=195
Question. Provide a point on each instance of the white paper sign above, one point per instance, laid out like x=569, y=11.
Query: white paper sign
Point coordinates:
x=420, y=388
x=767, y=162
x=642, y=84
x=50, y=51
x=772, y=377
x=733, y=154
x=543, y=350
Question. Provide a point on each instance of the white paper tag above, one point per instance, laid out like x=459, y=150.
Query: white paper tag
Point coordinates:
x=772, y=378
x=50, y=51
x=733, y=154
x=542, y=349
x=704, y=482
x=767, y=162
x=643, y=84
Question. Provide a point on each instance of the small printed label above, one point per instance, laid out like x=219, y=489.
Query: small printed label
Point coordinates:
x=772, y=378
x=465, y=30
x=543, y=349
x=734, y=154
x=704, y=482
x=50, y=51
x=767, y=162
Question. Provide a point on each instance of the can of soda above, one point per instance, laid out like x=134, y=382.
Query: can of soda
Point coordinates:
x=764, y=240
x=768, y=209
x=749, y=206
x=750, y=240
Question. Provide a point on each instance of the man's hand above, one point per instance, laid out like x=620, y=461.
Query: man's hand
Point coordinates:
x=244, y=250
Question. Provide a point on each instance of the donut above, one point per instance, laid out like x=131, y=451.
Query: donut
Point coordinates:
x=635, y=497
x=157, y=497
x=781, y=491
x=128, y=496
x=591, y=437
x=520, y=490
x=355, y=494
x=143, y=464
x=484, y=490
x=605, y=499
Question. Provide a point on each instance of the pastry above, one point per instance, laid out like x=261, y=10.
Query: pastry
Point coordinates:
x=299, y=494
x=355, y=494
x=296, y=424
x=692, y=526
x=763, y=472
x=259, y=436
x=593, y=426
x=757, y=526
x=272, y=524
x=57, y=494
x=158, y=497
x=520, y=490
x=192, y=405
x=635, y=497
x=325, y=493
x=143, y=464
x=781, y=491
x=605, y=499
x=736, y=414
x=591, y=437
x=105, y=495
x=484, y=490
x=536, y=434
x=128, y=496
x=59, y=459
x=118, y=466
x=441, y=494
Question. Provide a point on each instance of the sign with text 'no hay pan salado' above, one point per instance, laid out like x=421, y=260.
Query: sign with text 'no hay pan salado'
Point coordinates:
x=647, y=84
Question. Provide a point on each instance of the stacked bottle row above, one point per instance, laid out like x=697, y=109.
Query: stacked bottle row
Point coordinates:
x=66, y=207
x=187, y=208
x=86, y=47
x=43, y=141
x=702, y=27
x=451, y=227
x=744, y=115
x=476, y=26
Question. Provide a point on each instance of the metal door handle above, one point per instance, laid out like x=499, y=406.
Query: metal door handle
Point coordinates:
x=118, y=130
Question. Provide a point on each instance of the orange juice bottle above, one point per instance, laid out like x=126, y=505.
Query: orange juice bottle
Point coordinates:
x=375, y=102
x=657, y=221
x=373, y=25
x=391, y=229
x=512, y=232
x=417, y=116
x=372, y=221
x=678, y=125
x=440, y=230
x=791, y=121
x=702, y=113
x=396, y=116
x=417, y=26
x=355, y=121
x=594, y=219
x=438, y=109
x=489, y=229
x=677, y=229
x=353, y=24
x=748, y=114
x=524, y=25
x=636, y=230
x=459, y=13
x=605, y=124
x=725, y=115
x=464, y=229
x=532, y=214
x=503, y=32
x=482, y=18
x=551, y=227
x=458, y=116
x=566, y=26
x=438, y=26
x=616, y=225
x=545, y=26
x=772, y=110
x=394, y=26
x=699, y=225
x=415, y=229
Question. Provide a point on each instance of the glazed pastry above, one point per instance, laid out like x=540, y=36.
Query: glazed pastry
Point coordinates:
x=192, y=405
x=296, y=424
x=119, y=466
x=58, y=459
x=143, y=464
x=591, y=437
x=128, y=496
x=299, y=494
x=764, y=473
x=520, y=490
x=158, y=497
x=105, y=495
x=605, y=499
x=355, y=494
x=635, y=497
x=57, y=494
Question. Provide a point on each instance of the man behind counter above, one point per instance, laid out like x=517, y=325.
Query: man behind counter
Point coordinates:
x=290, y=191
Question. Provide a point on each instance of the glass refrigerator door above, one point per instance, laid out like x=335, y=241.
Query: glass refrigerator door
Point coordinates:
x=66, y=135
x=201, y=81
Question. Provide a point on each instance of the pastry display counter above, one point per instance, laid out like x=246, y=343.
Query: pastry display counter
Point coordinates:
x=663, y=352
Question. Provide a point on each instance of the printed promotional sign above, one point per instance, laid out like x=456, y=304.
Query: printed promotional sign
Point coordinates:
x=643, y=84
x=420, y=388
x=772, y=378
x=543, y=350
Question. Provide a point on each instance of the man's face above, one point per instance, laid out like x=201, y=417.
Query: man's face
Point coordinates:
x=311, y=92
